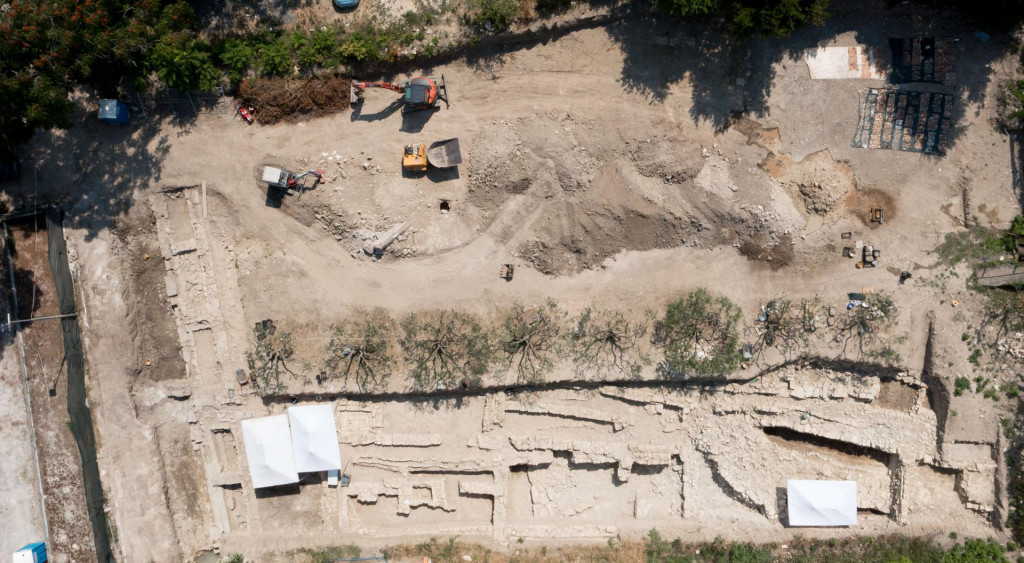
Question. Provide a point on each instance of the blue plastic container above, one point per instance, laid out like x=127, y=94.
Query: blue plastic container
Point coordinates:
x=31, y=553
x=114, y=111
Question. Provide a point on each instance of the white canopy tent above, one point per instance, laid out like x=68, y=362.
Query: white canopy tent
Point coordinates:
x=268, y=449
x=822, y=503
x=314, y=438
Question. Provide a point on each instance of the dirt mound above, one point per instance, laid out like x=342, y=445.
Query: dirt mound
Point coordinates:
x=818, y=181
x=860, y=202
x=280, y=99
x=670, y=159
x=774, y=255
x=569, y=198
x=573, y=234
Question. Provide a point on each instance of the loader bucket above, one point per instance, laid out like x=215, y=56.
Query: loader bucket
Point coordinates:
x=444, y=154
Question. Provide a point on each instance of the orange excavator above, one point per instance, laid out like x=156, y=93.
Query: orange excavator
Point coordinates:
x=420, y=93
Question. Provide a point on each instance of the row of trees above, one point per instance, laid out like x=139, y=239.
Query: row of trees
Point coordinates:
x=698, y=336
x=51, y=46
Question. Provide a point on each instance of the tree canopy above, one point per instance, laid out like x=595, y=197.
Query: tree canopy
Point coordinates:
x=51, y=45
x=700, y=336
x=747, y=17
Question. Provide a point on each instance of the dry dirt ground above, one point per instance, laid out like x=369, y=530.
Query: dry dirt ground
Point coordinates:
x=21, y=507
x=70, y=535
x=613, y=173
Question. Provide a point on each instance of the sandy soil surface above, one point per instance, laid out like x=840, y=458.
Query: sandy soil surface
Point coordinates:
x=70, y=532
x=21, y=507
x=615, y=167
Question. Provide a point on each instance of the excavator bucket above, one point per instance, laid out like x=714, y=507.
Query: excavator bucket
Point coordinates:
x=444, y=154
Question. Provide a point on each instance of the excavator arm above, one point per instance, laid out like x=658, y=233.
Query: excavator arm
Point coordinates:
x=400, y=88
x=294, y=181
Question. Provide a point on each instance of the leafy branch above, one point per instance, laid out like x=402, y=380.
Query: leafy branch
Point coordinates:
x=785, y=326
x=865, y=327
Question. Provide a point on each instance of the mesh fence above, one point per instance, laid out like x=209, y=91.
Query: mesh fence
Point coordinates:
x=81, y=420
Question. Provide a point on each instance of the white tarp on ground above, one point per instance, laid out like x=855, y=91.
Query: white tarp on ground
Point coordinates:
x=314, y=438
x=826, y=63
x=822, y=503
x=268, y=448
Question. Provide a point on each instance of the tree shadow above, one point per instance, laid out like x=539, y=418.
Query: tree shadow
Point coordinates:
x=730, y=77
x=27, y=293
x=23, y=300
x=92, y=169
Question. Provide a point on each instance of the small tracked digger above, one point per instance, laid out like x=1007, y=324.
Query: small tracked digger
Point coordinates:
x=419, y=94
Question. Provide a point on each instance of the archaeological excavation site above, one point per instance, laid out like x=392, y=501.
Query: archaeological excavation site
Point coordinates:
x=601, y=286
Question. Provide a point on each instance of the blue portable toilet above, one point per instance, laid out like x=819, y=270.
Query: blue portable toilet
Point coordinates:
x=113, y=111
x=31, y=553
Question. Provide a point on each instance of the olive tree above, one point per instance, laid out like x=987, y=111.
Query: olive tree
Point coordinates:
x=359, y=349
x=267, y=361
x=605, y=343
x=699, y=335
x=864, y=329
x=785, y=326
x=530, y=340
x=445, y=349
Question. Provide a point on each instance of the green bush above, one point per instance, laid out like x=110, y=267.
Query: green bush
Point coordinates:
x=175, y=18
x=237, y=56
x=778, y=18
x=782, y=17
x=275, y=59
x=184, y=64
x=689, y=7
x=367, y=44
x=323, y=48
x=960, y=385
x=330, y=554
x=975, y=357
x=546, y=6
x=493, y=15
x=976, y=551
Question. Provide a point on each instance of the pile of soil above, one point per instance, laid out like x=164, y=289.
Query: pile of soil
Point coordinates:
x=667, y=158
x=862, y=201
x=818, y=182
x=289, y=99
x=775, y=256
x=565, y=197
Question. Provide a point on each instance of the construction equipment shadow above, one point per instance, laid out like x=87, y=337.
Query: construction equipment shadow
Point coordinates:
x=386, y=112
x=435, y=175
x=275, y=197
